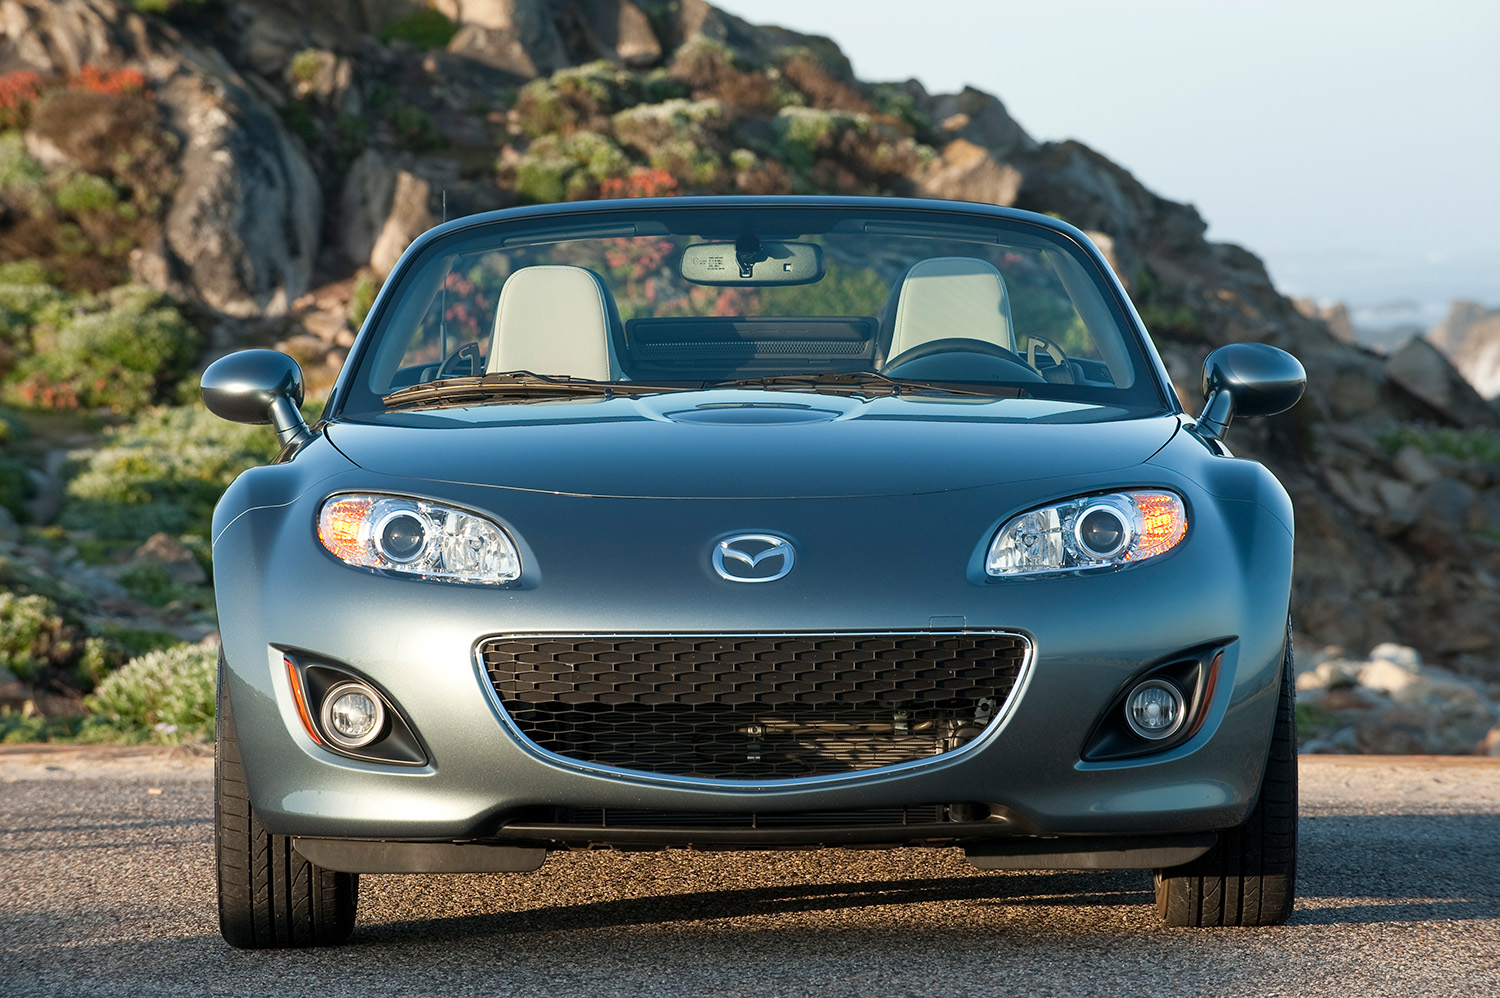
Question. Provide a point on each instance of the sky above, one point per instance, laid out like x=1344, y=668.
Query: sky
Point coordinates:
x=1354, y=146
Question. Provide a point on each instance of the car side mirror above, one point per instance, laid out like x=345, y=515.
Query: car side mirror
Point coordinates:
x=1247, y=379
x=259, y=387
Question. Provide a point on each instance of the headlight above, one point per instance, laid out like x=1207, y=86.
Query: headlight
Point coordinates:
x=1092, y=532
x=412, y=537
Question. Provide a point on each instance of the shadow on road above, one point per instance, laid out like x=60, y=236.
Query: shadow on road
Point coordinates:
x=1073, y=890
x=1367, y=869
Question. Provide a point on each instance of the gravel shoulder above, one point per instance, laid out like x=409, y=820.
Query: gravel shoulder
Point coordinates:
x=106, y=854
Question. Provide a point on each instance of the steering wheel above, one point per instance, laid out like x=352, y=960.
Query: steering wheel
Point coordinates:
x=1060, y=372
x=958, y=358
x=468, y=352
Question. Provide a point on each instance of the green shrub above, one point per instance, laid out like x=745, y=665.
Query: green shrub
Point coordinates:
x=169, y=7
x=569, y=167
x=690, y=163
x=163, y=473
x=1165, y=311
x=168, y=692
x=24, y=725
x=25, y=273
x=301, y=122
x=582, y=97
x=306, y=65
x=806, y=133
x=122, y=350
x=32, y=633
x=361, y=297
x=19, y=172
x=676, y=136
x=150, y=583
x=426, y=29
x=84, y=192
x=1481, y=446
x=133, y=642
x=415, y=130
x=894, y=101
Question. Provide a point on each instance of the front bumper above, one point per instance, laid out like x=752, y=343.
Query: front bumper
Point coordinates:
x=1227, y=587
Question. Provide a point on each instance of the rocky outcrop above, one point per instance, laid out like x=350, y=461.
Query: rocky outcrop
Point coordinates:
x=240, y=231
x=1335, y=316
x=968, y=172
x=63, y=36
x=1470, y=336
x=243, y=227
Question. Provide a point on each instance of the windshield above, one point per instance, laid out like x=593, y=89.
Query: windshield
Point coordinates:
x=852, y=300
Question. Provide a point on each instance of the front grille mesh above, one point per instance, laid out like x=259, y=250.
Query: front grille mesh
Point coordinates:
x=754, y=707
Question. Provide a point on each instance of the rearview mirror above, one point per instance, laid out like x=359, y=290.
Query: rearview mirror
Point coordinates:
x=750, y=261
x=1248, y=379
x=258, y=387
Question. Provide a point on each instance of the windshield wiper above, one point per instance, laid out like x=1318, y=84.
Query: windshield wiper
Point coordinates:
x=501, y=385
x=862, y=383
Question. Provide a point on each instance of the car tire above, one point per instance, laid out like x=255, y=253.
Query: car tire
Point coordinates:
x=270, y=897
x=1249, y=877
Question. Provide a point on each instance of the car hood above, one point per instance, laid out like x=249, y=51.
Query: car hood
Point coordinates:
x=752, y=444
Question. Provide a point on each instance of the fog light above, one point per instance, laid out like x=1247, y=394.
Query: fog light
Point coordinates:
x=353, y=715
x=1155, y=709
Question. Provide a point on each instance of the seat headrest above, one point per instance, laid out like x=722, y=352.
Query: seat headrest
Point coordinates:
x=951, y=296
x=555, y=320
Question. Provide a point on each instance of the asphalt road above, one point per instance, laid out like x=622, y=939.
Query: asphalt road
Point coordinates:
x=106, y=887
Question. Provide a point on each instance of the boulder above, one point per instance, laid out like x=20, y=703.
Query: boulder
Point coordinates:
x=269, y=39
x=698, y=22
x=1421, y=370
x=161, y=549
x=519, y=37
x=1478, y=357
x=410, y=214
x=980, y=118
x=619, y=31
x=1416, y=467
x=1446, y=501
x=965, y=171
x=368, y=190
x=245, y=220
x=63, y=36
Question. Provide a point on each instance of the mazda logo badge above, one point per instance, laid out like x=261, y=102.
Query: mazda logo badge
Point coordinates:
x=753, y=558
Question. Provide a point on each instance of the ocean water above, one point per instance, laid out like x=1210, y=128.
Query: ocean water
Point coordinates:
x=1390, y=294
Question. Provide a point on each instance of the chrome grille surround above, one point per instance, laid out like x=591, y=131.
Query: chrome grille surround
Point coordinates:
x=747, y=710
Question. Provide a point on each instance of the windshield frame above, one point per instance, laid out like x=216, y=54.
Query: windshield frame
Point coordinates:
x=543, y=224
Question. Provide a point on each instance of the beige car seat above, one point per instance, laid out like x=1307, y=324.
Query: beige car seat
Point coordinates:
x=948, y=297
x=556, y=320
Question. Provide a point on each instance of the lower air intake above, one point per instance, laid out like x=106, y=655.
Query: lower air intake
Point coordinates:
x=754, y=707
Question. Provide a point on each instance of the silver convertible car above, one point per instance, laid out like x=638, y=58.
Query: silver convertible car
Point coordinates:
x=747, y=523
